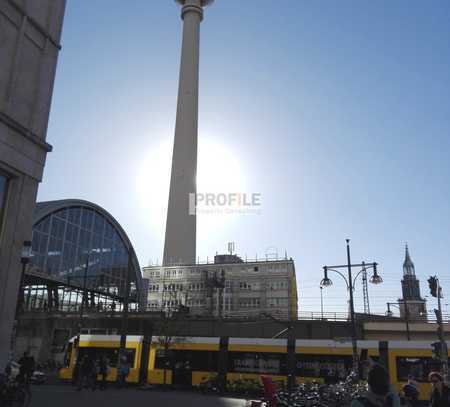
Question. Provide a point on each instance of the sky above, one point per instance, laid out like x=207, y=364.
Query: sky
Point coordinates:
x=337, y=113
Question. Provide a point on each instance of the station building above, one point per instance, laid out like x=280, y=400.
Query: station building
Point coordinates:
x=79, y=252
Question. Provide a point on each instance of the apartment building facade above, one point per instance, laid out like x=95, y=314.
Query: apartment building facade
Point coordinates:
x=227, y=288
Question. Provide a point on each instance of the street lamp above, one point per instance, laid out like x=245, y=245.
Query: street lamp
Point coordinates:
x=25, y=257
x=350, y=282
x=389, y=313
x=321, y=302
x=376, y=278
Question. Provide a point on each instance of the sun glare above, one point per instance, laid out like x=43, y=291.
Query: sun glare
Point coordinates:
x=218, y=171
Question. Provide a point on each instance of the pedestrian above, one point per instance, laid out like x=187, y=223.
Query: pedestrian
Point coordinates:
x=76, y=376
x=94, y=374
x=410, y=396
x=103, y=372
x=27, y=366
x=86, y=373
x=123, y=371
x=380, y=393
x=412, y=381
x=440, y=393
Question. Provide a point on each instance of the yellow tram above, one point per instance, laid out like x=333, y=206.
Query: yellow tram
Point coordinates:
x=190, y=361
x=107, y=346
x=182, y=360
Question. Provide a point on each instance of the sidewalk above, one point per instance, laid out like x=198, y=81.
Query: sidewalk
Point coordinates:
x=67, y=396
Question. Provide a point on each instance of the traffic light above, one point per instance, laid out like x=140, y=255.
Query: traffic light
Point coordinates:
x=436, y=350
x=433, y=284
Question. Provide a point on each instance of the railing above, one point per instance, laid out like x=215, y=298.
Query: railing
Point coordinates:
x=210, y=262
x=249, y=314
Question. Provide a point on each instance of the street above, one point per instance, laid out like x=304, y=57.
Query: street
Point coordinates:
x=67, y=396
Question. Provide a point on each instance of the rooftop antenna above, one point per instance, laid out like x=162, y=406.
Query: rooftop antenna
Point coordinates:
x=271, y=253
x=231, y=247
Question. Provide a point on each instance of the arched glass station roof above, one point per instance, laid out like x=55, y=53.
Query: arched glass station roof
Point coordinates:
x=79, y=243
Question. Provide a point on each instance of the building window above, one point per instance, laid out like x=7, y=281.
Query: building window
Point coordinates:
x=249, y=303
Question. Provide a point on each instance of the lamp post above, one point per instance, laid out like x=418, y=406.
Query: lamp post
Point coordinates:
x=350, y=282
x=25, y=257
x=321, y=302
x=83, y=299
x=389, y=313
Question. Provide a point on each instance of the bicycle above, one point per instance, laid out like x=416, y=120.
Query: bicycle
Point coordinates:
x=13, y=393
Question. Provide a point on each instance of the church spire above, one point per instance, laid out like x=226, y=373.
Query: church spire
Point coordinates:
x=408, y=265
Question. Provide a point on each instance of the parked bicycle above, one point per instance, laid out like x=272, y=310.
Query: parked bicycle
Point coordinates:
x=13, y=393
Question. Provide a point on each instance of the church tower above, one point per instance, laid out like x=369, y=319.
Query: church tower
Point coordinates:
x=416, y=306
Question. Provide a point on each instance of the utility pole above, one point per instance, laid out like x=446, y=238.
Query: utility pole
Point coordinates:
x=124, y=327
x=365, y=292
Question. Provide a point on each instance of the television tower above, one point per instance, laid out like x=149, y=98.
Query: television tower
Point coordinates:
x=180, y=238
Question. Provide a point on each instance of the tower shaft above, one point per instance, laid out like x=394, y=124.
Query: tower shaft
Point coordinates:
x=180, y=238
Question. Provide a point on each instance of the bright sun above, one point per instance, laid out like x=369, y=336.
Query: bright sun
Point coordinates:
x=218, y=170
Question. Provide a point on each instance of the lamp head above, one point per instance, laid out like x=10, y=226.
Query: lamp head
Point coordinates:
x=26, y=252
x=375, y=279
x=326, y=282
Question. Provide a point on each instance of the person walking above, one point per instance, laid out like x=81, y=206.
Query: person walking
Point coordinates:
x=440, y=393
x=123, y=371
x=76, y=376
x=103, y=372
x=27, y=366
x=94, y=374
x=380, y=392
x=86, y=373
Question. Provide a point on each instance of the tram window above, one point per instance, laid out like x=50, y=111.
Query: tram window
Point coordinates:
x=198, y=360
x=257, y=362
x=111, y=354
x=419, y=367
x=323, y=366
